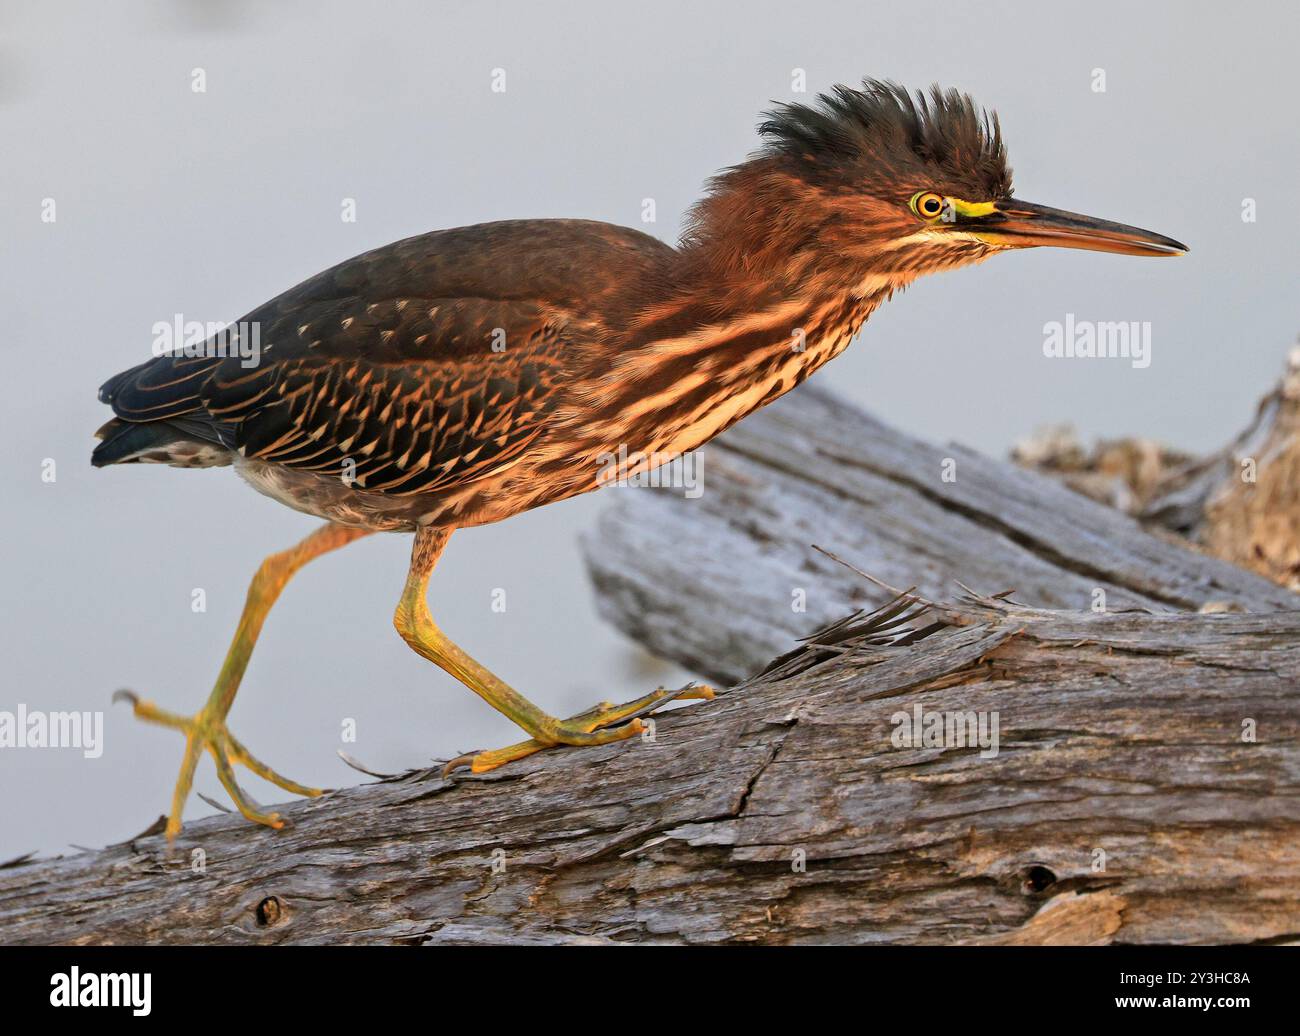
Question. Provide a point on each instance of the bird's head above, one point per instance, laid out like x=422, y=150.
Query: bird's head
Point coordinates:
x=893, y=185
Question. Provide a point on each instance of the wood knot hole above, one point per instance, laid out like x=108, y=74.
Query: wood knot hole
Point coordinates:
x=269, y=911
x=1037, y=879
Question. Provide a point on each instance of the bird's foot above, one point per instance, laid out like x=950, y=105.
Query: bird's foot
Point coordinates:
x=208, y=730
x=619, y=722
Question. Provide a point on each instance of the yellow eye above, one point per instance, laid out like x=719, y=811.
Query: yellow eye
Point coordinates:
x=927, y=204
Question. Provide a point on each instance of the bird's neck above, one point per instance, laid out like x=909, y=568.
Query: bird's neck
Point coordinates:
x=758, y=297
x=766, y=267
x=763, y=240
x=683, y=386
x=761, y=232
x=756, y=303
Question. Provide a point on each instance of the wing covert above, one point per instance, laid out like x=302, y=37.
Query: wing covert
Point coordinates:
x=401, y=396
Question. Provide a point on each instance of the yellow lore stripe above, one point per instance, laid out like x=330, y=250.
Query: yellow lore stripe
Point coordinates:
x=973, y=208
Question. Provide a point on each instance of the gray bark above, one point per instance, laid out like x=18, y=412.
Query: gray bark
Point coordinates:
x=713, y=582
x=1240, y=503
x=1144, y=788
x=1123, y=805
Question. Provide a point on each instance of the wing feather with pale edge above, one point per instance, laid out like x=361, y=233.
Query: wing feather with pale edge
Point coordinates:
x=413, y=368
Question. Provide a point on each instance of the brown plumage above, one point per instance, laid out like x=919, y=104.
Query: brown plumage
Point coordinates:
x=465, y=375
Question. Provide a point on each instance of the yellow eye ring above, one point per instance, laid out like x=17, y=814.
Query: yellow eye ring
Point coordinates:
x=927, y=204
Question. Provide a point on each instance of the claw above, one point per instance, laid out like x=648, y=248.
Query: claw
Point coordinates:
x=466, y=760
x=208, y=731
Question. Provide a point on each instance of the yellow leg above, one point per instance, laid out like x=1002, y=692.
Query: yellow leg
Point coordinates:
x=598, y=726
x=603, y=715
x=207, y=729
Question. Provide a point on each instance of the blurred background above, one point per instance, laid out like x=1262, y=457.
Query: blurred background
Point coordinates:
x=169, y=200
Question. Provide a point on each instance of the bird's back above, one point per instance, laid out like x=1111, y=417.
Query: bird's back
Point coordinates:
x=423, y=363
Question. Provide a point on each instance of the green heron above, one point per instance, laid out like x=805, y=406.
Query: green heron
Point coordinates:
x=463, y=376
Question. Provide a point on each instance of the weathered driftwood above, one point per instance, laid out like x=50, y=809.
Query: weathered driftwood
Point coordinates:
x=1123, y=805
x=1144, y=788
x=1240, y=503
x=716, y=581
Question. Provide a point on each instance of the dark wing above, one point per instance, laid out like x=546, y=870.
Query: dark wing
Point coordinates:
x=414, y=368
x=402, y=396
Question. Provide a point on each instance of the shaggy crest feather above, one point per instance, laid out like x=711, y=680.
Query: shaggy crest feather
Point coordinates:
x=882, y=122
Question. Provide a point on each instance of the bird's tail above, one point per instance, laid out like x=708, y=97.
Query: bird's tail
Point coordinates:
x=154, y=442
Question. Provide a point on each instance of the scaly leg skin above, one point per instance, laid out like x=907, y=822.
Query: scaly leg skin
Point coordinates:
x=606, y=714
x=207, y=729
x=599, y=726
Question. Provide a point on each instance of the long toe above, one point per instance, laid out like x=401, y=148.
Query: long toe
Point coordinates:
x=207, y=731
x=602, y=724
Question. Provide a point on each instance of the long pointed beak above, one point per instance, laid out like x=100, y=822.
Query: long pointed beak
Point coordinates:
x=1022, y=224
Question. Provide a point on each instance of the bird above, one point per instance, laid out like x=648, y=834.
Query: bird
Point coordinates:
x=466, y=375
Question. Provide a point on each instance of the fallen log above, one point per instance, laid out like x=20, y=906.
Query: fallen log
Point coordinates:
x=1240, y=503
x=1141, y=786
x=724, y=580
x=1124, y=771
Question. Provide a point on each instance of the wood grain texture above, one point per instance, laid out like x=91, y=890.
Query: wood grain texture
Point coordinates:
x=1146, y=786
x=712, y=582
x=1120, y=743
x=1240, y=503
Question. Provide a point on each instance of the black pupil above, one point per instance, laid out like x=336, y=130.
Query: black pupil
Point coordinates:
x=931, y=205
